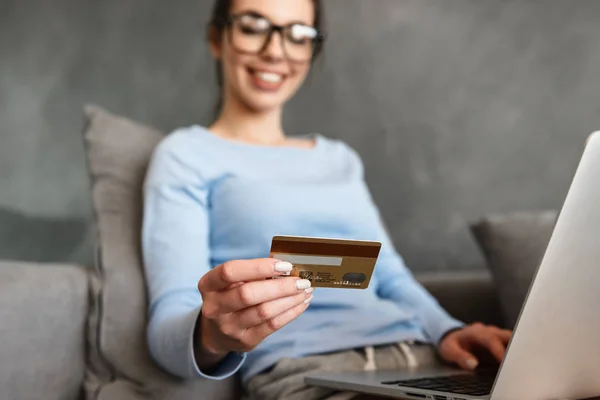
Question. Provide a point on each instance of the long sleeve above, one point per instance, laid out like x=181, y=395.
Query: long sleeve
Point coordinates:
x=175, y=243
x=396, y=283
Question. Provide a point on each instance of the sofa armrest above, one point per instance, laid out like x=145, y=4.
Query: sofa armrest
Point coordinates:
x=43, y=309
x=469, y=296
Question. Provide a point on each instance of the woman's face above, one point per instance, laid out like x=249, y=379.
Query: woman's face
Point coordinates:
x=263, y=77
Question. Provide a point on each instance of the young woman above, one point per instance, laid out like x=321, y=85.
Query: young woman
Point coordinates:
x=215, y=197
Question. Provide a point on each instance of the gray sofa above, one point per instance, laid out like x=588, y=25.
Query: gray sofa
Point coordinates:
x=51, y=348
x=71, y=332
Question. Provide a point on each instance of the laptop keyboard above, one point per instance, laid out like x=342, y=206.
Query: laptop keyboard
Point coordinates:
x=478, y=384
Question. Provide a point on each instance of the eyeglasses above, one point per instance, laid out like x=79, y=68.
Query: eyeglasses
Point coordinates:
x=251, y=33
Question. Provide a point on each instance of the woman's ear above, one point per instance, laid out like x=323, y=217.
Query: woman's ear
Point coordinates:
x=215, y=40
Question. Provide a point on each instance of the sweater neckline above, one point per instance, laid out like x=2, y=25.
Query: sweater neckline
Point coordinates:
x=316, y=137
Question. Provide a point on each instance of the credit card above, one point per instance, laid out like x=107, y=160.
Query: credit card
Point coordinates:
x=331, y=263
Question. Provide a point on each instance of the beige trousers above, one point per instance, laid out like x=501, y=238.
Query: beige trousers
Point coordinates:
x=286, y=379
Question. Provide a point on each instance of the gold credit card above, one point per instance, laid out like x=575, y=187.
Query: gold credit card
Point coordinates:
x=331, y=263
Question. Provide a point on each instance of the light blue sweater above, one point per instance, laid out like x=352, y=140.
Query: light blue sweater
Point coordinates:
x=209, y=200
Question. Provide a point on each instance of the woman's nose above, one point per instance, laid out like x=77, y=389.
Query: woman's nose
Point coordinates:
x=274, y=49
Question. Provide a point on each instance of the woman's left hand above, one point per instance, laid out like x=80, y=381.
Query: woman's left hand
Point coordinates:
x=458, y=346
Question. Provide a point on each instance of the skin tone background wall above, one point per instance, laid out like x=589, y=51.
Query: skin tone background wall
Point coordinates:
x=459, y=108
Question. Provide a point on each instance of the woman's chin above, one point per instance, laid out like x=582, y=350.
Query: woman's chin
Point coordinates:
x=262, y=105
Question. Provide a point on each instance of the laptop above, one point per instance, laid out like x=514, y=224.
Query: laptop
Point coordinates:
x=554, y=352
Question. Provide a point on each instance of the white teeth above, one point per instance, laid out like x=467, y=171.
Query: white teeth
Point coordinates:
x=269, y=77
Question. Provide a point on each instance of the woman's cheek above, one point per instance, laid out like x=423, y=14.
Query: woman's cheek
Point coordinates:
x=299, y=77
x=236, y=68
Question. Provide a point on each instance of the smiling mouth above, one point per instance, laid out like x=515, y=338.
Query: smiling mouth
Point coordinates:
x=266, y=80
x=269, y=77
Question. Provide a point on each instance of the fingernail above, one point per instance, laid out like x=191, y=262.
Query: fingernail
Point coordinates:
x=283, y=266
x=308, y=300
x=310, y=290
x=472, y=364
x=302, y=284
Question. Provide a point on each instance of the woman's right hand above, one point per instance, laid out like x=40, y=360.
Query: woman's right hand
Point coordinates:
x=241, y=307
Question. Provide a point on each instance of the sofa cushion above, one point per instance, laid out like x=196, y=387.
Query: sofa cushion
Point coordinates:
x=514, y=245
x=43, y=311
x=456, y=290
x=118, y=151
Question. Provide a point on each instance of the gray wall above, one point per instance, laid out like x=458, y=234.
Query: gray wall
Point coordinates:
x=458, y=107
